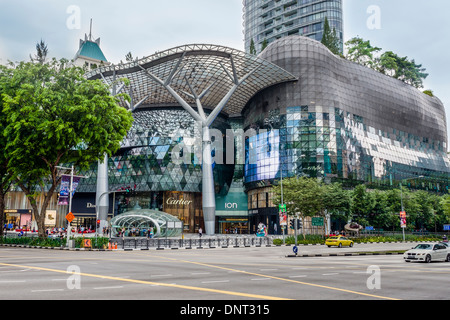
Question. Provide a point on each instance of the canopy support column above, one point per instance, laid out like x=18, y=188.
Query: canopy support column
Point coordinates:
x=208, y=192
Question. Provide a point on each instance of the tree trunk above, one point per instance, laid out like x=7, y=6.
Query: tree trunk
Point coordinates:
x=2, y=211
x=39, y=215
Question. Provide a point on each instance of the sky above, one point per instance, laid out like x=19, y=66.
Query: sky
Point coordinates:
x=413, y=28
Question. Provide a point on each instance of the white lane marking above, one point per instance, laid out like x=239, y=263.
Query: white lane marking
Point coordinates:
x=48, y=290
x=199, y=273
x=215, y=281
x=329, y=274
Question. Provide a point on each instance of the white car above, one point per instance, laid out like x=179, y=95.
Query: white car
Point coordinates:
x=428, y=252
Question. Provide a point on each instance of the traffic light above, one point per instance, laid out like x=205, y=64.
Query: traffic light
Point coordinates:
x=292, y=223
x=299, y=224
x=98, y=224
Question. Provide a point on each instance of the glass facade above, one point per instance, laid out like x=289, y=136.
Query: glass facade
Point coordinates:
x=145, y=164
x=274, y=19
x=183, y=99
x=145, y=160
x=343, y=122
x=339, y=121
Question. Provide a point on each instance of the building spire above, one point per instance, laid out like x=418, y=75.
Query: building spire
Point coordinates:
x=90, y=31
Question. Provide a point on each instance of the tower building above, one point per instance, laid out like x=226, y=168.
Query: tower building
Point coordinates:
x=269, y=20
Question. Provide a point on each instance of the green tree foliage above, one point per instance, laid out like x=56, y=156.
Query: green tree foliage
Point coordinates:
x=363, y=202
x=41, y=52
x=55, y=116
x=252, y=48
x=429, y=93
x=337, y=202
x=302, y=196
x=308, y=197
x=264, y=45
x=410, y=72
x=380, y=214
x=388, y=63
x=361, y=51
x=330, y=38
x=5, y=174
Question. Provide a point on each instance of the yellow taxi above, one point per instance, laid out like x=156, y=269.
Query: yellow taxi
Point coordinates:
x=339, y=241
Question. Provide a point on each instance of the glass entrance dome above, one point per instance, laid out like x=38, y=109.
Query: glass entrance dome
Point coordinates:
x=138, y=222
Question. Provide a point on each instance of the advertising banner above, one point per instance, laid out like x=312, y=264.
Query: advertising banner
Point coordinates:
x=65, y=189
x=282, y=214
x=403, y=219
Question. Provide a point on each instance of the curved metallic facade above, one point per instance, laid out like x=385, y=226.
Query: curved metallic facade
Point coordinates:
x=343, y=121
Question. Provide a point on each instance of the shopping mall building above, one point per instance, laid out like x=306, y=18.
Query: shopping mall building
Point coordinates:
x=215, y=128
x=297, y=110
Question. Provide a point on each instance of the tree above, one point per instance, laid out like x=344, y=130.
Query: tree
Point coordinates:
x=410, y=72
x=380, y=216
x=264, y=45
x=446, y=204
x=252, y=48
x=337, y=201
x=387, y=63
x=129, y=57
x=302, y=196
x=55, y=116
x=361, y=51
x=6, y=177
x=330, y=38
x=363, y=203
x=41, y=52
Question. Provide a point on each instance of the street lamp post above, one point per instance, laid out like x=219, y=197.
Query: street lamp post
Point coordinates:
x=282, y=202
x=401, y=200
x=70, y=199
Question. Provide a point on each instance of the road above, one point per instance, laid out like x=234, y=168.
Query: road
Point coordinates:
x=240, y=274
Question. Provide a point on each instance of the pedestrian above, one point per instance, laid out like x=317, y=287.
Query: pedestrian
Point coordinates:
x=200, y=231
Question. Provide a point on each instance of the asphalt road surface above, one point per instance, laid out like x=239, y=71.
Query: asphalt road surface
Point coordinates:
x=231, y=274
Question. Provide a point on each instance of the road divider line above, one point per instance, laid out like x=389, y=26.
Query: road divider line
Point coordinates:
x=224, y=292
x=284, y=279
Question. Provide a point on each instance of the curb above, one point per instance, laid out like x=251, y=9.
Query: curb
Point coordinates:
x=343, y=254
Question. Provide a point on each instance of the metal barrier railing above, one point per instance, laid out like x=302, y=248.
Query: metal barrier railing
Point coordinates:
x=161, y=243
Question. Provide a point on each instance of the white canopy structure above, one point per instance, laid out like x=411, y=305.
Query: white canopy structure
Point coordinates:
x=142, y=220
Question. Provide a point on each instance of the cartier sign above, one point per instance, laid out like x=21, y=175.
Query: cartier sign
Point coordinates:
x=173, y=201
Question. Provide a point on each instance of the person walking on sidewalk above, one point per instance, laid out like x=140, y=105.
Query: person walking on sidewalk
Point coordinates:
x=200, y=231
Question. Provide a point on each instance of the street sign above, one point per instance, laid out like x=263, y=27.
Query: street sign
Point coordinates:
x=295, y=249
x=70, y=217
x=446, y=227
x=87, y=243
x=317, y=221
